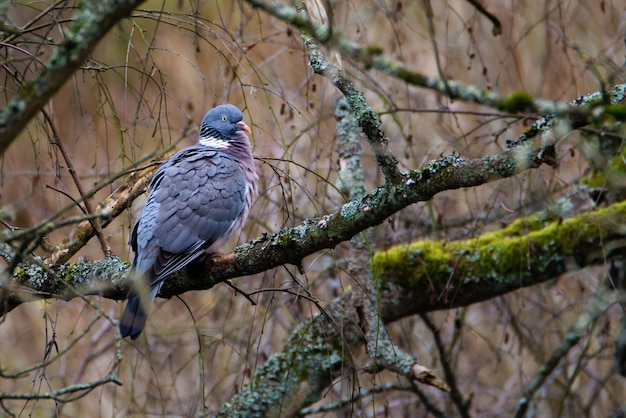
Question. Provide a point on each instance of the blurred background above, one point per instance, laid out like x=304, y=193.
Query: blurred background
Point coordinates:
x=161, y=70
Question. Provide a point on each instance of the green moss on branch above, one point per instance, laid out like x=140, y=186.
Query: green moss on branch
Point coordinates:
x=422, y=277
x=440, y=275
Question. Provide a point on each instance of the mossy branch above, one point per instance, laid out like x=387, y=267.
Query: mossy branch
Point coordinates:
x=312, y=358
x=422, y=277
x=441, y=275
x=291, y=245
x=417, y=278
x=373, y=57
x=91, y=23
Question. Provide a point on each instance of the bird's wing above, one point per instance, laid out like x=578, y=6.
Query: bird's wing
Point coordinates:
x=196, y=198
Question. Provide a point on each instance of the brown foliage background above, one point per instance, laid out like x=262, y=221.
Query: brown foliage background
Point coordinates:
x=171, y=62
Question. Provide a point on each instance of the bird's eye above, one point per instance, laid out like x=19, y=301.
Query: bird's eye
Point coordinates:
x=224, y=118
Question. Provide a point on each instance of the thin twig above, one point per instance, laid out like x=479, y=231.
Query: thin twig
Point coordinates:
x=95, y=222
x=576, y=332
x=497, y=26
x=462, y=404
x=430, y=15
x=245, y=294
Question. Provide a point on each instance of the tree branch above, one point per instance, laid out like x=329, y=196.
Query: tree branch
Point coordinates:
x=441, y=275
x=118, y=201
x=426, y=276
x=577, y=331
x=291, y=245
x=421, y=277
x=365, y=115
x=373, y=57
x=92, y=22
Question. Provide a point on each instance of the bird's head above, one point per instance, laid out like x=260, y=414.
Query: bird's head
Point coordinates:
x=221, y=125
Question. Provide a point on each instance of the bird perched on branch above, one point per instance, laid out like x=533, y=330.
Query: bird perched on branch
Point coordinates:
x=198, y=199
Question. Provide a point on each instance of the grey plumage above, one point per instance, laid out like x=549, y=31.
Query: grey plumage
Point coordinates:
x=198, y=198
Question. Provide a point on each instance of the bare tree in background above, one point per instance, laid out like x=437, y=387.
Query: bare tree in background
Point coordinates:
x=441, y=225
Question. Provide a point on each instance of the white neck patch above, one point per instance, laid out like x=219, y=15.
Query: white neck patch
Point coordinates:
x=211, y=141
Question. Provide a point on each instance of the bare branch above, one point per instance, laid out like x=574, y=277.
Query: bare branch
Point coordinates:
x=577, y=331
x=110, y=208
x=91, y=23
x=373, y=57
x=95, y=222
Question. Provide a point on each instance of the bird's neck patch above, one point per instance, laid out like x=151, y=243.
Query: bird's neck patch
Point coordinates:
x=213, y=142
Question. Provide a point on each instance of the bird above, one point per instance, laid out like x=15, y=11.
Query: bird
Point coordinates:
x=197, y=200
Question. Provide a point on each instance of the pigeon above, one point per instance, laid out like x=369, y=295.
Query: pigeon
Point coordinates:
x=198, y=199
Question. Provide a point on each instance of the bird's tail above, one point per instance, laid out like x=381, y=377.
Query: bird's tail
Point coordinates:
x=135, y=314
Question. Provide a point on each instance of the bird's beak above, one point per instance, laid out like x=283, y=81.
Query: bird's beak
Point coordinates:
x=244, y=127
